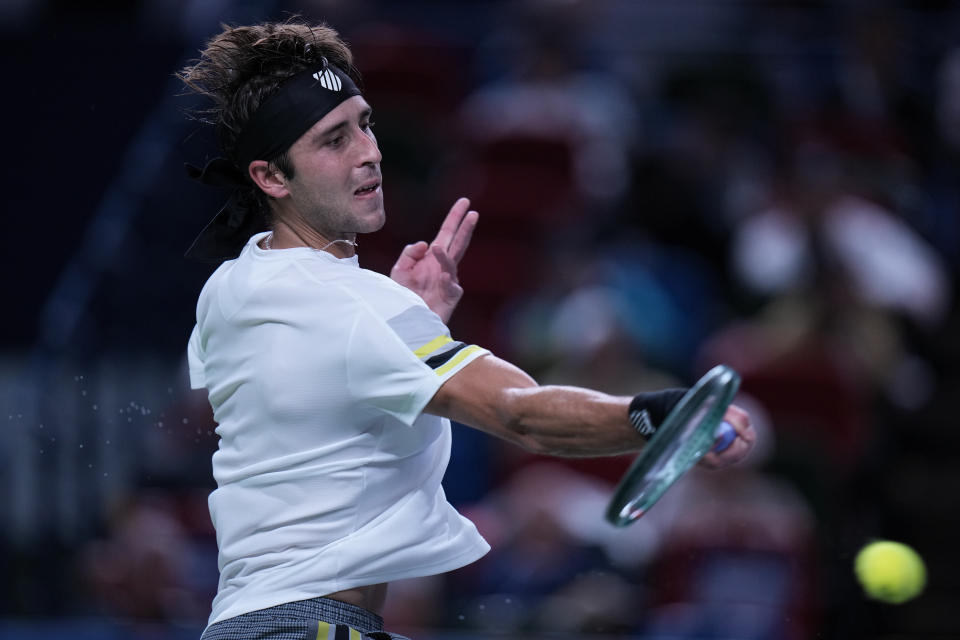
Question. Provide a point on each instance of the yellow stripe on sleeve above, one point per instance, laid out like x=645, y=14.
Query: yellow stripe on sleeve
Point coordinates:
x=457, y=359
x=354, y=634
x=432, y=346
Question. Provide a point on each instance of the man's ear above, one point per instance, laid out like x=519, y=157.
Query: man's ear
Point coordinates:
x=270, y=179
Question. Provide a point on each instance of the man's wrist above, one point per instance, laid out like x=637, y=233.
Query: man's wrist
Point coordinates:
x=647, y=411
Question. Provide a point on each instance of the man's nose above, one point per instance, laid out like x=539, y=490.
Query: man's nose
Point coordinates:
x=370, y=151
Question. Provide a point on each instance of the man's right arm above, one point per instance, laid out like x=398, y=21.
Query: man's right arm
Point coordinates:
x=495, y=396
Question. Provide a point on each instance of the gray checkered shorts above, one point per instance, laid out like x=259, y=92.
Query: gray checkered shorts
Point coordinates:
x=315, y=619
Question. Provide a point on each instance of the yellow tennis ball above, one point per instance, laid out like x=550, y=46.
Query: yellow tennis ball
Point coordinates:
x=890, y=571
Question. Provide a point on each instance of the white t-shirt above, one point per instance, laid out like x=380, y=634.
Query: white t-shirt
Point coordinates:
x=328, y=474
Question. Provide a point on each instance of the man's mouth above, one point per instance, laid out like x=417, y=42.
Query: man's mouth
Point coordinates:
x=367, y=188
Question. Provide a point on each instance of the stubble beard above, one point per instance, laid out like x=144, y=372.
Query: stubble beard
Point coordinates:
x=336, y=222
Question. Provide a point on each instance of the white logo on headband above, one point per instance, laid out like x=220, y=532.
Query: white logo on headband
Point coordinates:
x=328, y=80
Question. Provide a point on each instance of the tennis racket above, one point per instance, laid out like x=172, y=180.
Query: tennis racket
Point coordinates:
x=692, y=428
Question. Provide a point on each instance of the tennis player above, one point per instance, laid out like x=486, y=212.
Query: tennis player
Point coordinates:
x=333, y=386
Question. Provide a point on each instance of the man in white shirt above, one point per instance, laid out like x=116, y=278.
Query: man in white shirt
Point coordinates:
x=333, y=386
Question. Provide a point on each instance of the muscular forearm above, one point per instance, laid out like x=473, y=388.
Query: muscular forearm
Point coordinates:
x=499, y=398
x=570, y=421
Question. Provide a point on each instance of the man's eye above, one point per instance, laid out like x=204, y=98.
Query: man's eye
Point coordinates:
x=369, y=125
x=335, y=142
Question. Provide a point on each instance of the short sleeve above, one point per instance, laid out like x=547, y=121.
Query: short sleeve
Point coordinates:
x=428, y=338
x=398, y=365
x=198, y=378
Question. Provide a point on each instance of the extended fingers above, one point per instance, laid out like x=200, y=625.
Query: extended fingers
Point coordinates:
x=446, y=262
x=451, y=223
x=461, y=239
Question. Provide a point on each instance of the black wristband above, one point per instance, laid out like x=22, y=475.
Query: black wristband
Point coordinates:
x=648, y=410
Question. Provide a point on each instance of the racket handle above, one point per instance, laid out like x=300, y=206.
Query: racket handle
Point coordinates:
x=725, y=435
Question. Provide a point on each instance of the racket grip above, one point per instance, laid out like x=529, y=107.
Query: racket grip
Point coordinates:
x=725, y=435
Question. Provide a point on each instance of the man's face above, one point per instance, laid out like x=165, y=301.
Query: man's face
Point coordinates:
x=336, y=186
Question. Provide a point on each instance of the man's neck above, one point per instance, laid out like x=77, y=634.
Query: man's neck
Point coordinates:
x=287, y=235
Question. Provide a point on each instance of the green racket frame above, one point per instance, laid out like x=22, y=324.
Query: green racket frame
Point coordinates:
x=685, y=436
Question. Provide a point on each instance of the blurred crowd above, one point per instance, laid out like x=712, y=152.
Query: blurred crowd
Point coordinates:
x=663, y=186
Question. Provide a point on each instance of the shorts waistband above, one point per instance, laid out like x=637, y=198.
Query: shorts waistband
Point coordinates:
x=326, y=609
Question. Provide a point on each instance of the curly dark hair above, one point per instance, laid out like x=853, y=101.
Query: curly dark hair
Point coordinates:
x=242, y=66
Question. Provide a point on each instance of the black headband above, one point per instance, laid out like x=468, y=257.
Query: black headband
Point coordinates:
x=300, y=102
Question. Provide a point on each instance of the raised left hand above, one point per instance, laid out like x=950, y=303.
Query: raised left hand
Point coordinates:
x=430, y=271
